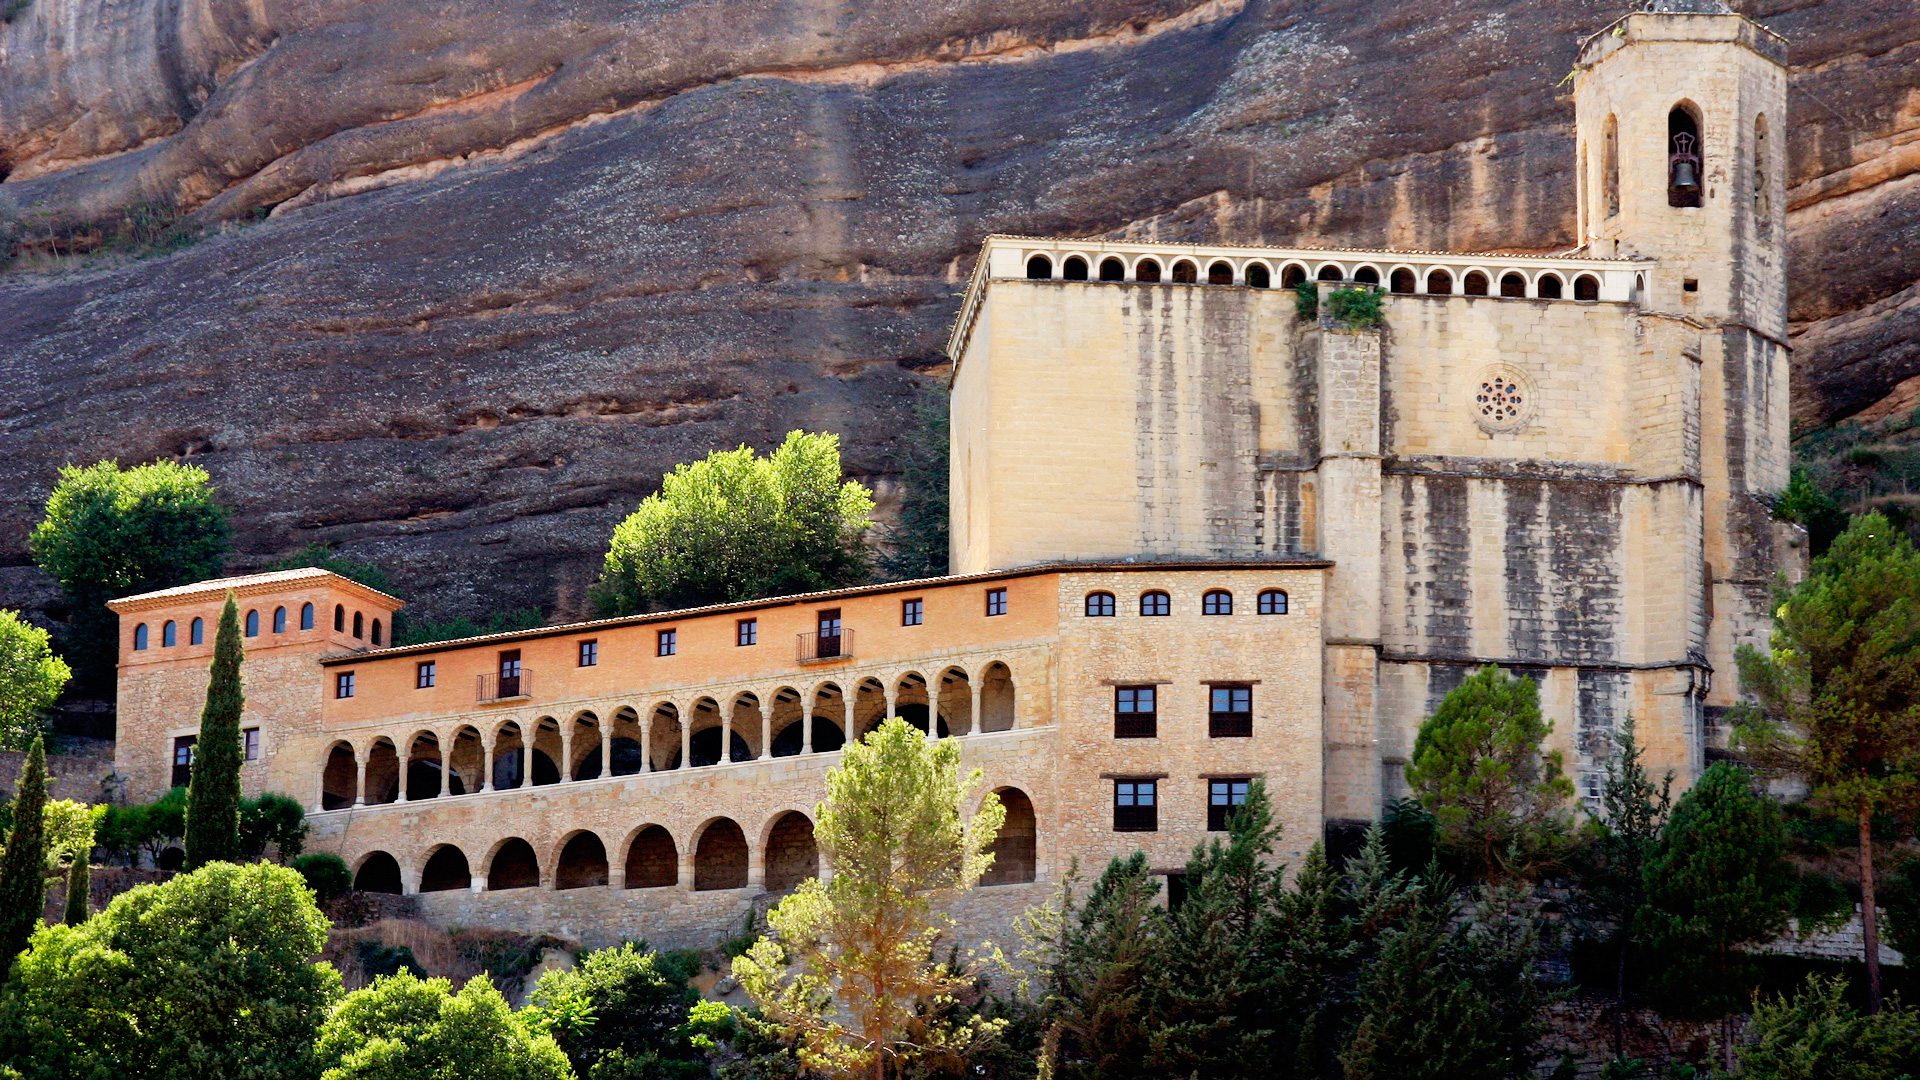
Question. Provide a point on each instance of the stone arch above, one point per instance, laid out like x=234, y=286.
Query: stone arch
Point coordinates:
x=869, y=708
x=588, y=756
x=339, y=777
x=956, y=701
x=1586, y=287
x=1474, y=284
x=383, y=772
x=792, y=856
x=747, y=720
x=581, y=862
x=1220, y=272
x=1367, y=274
x=546, y=757
x=1112, y=269
x=626, y=743
x=445, y=870
x=1686, y=145
x=1403, y=280
x=1513, y=284
x=663, y=736
x=1039, y=267
x=719, y=856
x=1016, y=848
x=1292, y=274
x=1549, y=286
x=1147, y=270
x=653, y=860
x=1439, y=282
x=996, y=698
x=789, y=722
x=915, y=702
x=466, y=761
x=1258, y=276
x=425, y=766
x=1185, y=272
x=509, y=756
x=828, y=716
x=1073, y=268
x=704, y=747
x=378, y=872
x=1331, y=272
x=512, y=865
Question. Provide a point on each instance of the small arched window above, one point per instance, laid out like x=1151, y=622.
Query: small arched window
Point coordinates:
x=1258, y=276
x=1146, y=270
x=1440, y=283
x=1155, y=602
x=1039, y=267
x=376, y=631
x=1216, y=602
x=169, y=635
x=339, y=618
x=1074, y=269
x=1099, y=604
x=1401, y=281
x=1330, y=272
x=359, y=626
x=1610, y=167
x=140, y=638
x=1291, y=275
x=253, y=624
x=1586, y=287
x=1512, y=285
x=1367, y=275
x=1273, y=602
x=1112, y=269
x=306, y=616
x=279, y=620
x=1185, y=273
x=197, y=631
x=1220, y=273
x=1474, y=284
x=1686, y=157
x=1548, y=287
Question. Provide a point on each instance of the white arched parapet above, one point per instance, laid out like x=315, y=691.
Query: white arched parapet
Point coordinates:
x=1317, y=270
x=1354, y=274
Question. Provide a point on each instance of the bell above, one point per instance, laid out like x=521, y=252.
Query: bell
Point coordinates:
x=1686, y=176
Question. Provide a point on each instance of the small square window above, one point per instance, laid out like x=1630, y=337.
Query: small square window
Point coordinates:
x=424, y=674
x=1273, y=602
x=1155, y=603
x=1230, y=711
x=343, y=684
x=589, y=653
x=250, y=743
x=1135, y=806
x=1224, y=796
x=668, y=643
x=996, y=602
x=1135, y=712
x=914, y=612
x=746, y=632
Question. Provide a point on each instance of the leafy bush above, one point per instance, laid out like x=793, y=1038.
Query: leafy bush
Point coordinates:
x=621, y=1012
x=325, y=873
x=70, y=828
x=379, y=960
x=1357, y=308
x=1816, y=1035
x=143, y=828
x=31, y=678
x=1306, y=300
x=272, y=820
x=403, y=1026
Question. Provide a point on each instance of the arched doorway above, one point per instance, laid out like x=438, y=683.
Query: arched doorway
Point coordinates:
x=583, y=863
x=720, y=857
x=446, y=870
x=652, y=860
x=792, y=855
x=514, y=866
x=1015, y=850
x=379, y=872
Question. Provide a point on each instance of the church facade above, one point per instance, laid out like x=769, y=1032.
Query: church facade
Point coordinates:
x=1219, y=513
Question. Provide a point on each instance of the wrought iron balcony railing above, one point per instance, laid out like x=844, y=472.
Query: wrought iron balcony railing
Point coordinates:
x=498, y=687
x=818, y=647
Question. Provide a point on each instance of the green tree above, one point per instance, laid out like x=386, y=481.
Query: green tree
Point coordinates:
x=272, y=821
x=1839, y=690
x=1816, y=1035
x=320, y=556
x=79, y=886
x=23, y=868
x=144, y=828
x=622, y=1013
x=1718, y=881
x=111, y=532
x=1098, y=958
x=918, y=547
x=1902, y=906
x=324, y=872
x=736, y=525
x=213, y=787
x=408, y=1028
x=31, y=679
x=1633, y=810
x=1499, y=801
x=209, y=974
x=849, y=970
x=1806, y=502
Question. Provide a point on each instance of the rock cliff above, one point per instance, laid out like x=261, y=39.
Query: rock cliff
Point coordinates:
x=477, y=273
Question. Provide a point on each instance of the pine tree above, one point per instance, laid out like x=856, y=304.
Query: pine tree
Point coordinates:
x=213, y=789
x=79, y=883
x=23, y=869
x=1633, y=811
x=1097, y=1005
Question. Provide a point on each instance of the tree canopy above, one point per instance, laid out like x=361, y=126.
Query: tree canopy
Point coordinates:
x=736, y=525
x=621, y=1012
x=407, y=1028
x=31, y=678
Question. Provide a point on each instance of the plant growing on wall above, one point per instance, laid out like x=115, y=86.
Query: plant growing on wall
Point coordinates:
x=1354, y=308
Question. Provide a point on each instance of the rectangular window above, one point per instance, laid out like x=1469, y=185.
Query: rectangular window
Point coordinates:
x=1135, y=712
x=996, y=601
x=343, y=684
x=589, y=653
x=183, y=759
x=913, y=612
x=250, y=743
x=1230, y=713
x=1224, y=796
x=667, y=644
x=746, y=632
x=424, y=673
x=1135, y=806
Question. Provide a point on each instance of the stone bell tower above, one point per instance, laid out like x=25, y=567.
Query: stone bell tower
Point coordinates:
x=1681, y=116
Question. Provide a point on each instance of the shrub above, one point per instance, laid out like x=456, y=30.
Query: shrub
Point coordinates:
x=1306, y=300
x=325, y=873
x=379, y=960
x=621, y=1012
x=272, y=820
x=404, y=1026
x=1816, y=1034
x=1357, y=308
x=31, y=678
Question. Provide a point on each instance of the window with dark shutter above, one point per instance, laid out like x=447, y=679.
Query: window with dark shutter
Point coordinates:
x=1230, y=711
x=1136, y=806
x=1135, y=712
x=1224, y=796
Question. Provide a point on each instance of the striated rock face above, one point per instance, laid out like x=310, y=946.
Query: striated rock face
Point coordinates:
x=524, y=256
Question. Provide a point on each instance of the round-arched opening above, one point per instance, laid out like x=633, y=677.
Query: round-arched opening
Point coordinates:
x=514, y=866
x=1291, y=275
x=1185, y=273
x=705, y=748
x=379, y=872
x=1402, y=280
x=792, y=855
x=339, y=778
x=446, y=870
x=1112, y=269
x=1474, y=284
x=1147, y=270
x=383, y=773
x=1220, y=273
x=1039, y=267
x=1686, y=156
x=1331, y=272
x=583, y=863
x=1440, y=283
x=1074, y=269
x=359, y=625
x=306, y=616
x=376, y=632
x=280, y=622
x=1586, y=287
x=253, y=624
x=1512, y=285
x=1015, y=849
x=652, y=860
x=1548, y=287
x=915, y=714
x=424, y=768
x=1258, y=276
x=720, y=857
x=996, y=698
x=339, y=619
x=1367, y=275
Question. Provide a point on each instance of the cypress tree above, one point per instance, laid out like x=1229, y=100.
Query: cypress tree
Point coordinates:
x=23, y=870
x=79, y=882
x=213, y=787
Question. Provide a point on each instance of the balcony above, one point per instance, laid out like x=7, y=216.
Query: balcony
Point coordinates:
x=497, y=688
x=823, y=648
